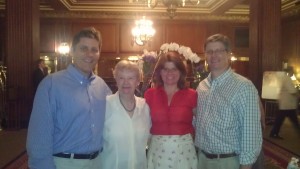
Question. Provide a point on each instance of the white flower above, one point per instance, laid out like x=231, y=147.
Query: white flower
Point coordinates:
x=194, y=58
x=173, y=47
x=164, y=48
x=183, y=50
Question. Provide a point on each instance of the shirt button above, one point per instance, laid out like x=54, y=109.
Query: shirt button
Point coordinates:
x=93, y=125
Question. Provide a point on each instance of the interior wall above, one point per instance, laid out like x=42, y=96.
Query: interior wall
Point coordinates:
x=117, y=38
x=291, y=44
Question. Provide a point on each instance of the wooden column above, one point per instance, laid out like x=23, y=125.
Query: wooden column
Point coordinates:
x=22, y=48
x=265, y=39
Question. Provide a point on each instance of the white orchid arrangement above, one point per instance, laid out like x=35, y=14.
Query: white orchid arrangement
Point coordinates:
x=293, y=164
x=183, y=50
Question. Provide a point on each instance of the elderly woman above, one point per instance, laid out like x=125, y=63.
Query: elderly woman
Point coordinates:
x=127, y=122
x=171, y=107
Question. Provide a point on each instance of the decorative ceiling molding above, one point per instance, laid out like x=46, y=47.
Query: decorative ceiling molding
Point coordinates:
x=134, y=15
x=226, y=10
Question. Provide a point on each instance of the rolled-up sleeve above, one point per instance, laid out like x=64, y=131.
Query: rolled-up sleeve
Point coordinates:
x=251, y=132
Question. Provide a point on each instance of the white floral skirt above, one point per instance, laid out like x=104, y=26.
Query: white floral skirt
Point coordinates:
x=172, y=152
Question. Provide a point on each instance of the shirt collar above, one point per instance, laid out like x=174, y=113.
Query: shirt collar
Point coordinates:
x=79, y=76
x=220, y=78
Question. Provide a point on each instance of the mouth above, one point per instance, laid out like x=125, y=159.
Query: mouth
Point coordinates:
x=88, y=60
x=125, y=87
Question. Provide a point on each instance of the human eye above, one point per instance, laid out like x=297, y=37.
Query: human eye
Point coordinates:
x=173, y=69
x=209, y=52
x=83, y=49
x=219, y=51
x=94, y=50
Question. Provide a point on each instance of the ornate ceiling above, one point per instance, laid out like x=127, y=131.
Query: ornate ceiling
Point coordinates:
x=206, y=9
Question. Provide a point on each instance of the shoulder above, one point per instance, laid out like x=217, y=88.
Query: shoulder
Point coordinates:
x=242, y=85
x=140, y=100
x=112, y=97
x=150, y=92
x=189, y=91
x=241, y=80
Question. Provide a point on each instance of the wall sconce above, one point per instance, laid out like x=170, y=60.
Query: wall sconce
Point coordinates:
x=143, y=31
x=63, y=48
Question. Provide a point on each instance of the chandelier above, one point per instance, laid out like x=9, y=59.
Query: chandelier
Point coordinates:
x=143, y=31
x=172, y=5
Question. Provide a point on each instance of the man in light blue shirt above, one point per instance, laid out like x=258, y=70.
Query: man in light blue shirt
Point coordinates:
x=66, y=124
x=228, y=128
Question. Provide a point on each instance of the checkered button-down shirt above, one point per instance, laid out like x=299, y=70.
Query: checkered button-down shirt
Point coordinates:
x=228, y=117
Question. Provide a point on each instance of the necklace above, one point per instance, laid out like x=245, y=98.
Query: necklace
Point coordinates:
x=134, y=105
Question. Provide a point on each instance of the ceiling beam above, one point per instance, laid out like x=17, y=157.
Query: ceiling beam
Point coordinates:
x=229, y=4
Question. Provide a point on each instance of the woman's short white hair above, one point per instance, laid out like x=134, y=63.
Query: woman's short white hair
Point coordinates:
x=127, y=65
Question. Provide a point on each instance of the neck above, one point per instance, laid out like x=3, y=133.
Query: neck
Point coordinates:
x=83, y=73
x=170, y=89
x=128, y=102
x=217, y=73
x=126, y=97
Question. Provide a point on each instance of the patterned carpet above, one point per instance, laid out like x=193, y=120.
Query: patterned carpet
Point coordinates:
x=19, y=163
x=274, y=158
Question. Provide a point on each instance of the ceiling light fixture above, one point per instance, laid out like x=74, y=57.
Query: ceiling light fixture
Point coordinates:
x=172, y=5
x=143, y=31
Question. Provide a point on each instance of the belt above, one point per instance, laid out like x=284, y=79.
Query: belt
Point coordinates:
x=213, y=156
x=78, y=156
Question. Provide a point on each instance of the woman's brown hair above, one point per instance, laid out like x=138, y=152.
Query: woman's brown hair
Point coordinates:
x=176, y=59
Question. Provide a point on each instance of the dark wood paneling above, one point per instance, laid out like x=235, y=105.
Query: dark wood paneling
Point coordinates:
x=291, y=44
x=241, y=67
x=47, y=40
x=2, y=37
x=265, y=39
x=291, y=39
x=191, y=35
x=22, y=48
x=109, y=33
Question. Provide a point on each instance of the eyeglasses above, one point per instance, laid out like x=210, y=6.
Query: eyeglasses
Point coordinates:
x=167, y=70
x=216, y=52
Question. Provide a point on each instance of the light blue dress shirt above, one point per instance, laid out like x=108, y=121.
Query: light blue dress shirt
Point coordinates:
x=67, y=116
x=228, y=117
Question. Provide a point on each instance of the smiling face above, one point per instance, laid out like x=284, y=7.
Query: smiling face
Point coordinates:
x=127, y=81
x=217, y=58
x=86, y=54
x=170, y=74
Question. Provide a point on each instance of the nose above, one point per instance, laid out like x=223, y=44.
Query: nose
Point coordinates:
x=89, y=53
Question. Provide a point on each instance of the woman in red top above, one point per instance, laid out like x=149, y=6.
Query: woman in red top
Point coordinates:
x=171, y=108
